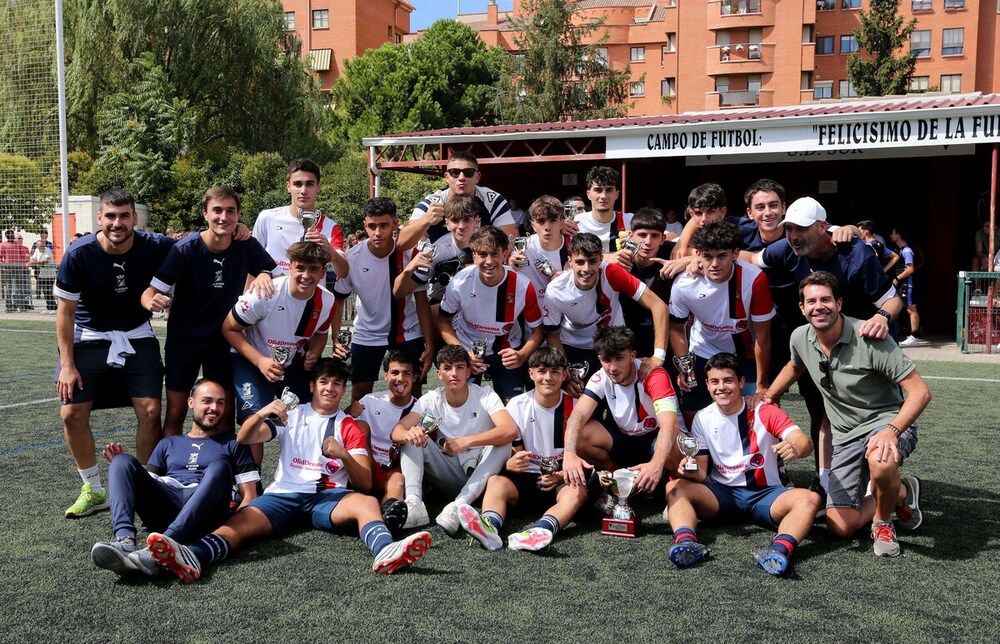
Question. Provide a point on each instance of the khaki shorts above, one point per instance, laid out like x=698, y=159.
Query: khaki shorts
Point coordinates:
x=849, y=473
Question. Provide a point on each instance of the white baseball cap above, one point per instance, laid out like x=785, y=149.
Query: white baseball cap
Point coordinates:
x=804, y=212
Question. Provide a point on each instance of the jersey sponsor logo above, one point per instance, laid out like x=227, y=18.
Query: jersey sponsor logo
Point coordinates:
x=332, y=467
x=756, y=461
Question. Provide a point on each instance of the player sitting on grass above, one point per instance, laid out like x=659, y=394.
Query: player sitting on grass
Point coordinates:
x=378, y=413
x=470, y=444
x=322, y=451
x=190, y=487
x=540, y=416
x=737, y=476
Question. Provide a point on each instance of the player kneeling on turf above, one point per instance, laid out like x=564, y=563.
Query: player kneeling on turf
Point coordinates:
x=322, y=451
x=530, y=476
x=737, y=476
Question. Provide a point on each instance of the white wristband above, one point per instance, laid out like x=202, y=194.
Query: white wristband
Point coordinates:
x=660, y=354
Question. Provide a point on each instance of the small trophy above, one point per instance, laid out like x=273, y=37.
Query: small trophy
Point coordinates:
x=544, y=267
x=578, y=370
x=478, y=348
x=291, y=402
x=689, y=445
x=685, y=364
x=430, y=426
x=520, y=245
x=309, y=218
x=425, y=246
x=569, y=210
x=630, y=247
x=623, y=522
x=549, y=464
x=283, y=356
x=344, y=337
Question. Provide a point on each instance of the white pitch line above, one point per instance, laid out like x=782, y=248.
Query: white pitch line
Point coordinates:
x=960, y=379
x=27, y=331
x=30, y=402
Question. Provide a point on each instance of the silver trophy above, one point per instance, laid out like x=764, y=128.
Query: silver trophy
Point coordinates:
x=544, y=267
x=308, y=218
x=569, y=210
x=282, y=355
x=630, y=247
x=291, y=402
x=623, y=521
x=425, y=246
x=344, y=337
x=478, y=348
x=685, y=364
x=429, y=424
x=520, y=245
x=578, y=371
x=689, y=445
x=549, y=464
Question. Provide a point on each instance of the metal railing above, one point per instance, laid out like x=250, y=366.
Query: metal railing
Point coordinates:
x=736, y=7
x=734, y=99
x=977, y=319
x=739, y=52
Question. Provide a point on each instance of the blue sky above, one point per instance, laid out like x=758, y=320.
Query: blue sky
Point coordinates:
x=428, y=11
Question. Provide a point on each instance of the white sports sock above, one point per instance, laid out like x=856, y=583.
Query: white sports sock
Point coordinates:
x=92, y=475
x=824, y=478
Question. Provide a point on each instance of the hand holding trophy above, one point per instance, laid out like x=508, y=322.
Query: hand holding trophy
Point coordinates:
x=685, y=364
x=689, y=445
x=623, y=522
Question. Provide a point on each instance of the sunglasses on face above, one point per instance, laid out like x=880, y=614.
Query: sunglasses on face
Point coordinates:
x=468, y=172
x=824, y=366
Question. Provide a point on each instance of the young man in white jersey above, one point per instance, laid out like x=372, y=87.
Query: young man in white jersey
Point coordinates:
x=382, y=321
x=582, y=299
x=642, y=416
x=322, y=452
x=531, y=476
x=603, y=185
x=547, y=251
x=462, y=176
x=492, y=305
x=738, y=476
x=732, y=309
x=278, y=228
x=376, y=414
x=458, y=435
x=278, y=339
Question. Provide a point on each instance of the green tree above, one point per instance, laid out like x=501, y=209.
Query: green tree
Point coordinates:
x=28, y=101
x=443, y=79
x=559, y=71
x=875, y=69
x=22, y=204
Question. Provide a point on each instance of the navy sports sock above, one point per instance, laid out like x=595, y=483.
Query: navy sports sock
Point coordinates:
x=376, y=536
x=210, y=549
x=548, y=522
x=684, y=533
x=785, y=544
x=493, y=518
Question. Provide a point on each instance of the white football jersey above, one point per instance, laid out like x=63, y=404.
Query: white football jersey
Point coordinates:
x=541, y=430
x=302, y=467
x=381, y=416
x=607, y=232
x=634, y=406
x=739, y=446
x=577, y=313
x=283, y=320
x=556, y=258
x=276, y=229
x=474, y=417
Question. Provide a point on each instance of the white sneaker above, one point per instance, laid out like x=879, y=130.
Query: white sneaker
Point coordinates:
x=416, y=513
x=666, y=515
x=910, y=341
x=448, y=519
x=480, y=529
x=532, y=539
x=402, y=553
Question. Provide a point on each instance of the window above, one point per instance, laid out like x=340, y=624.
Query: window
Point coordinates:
x=825, y=5
x=952, y=41
x=808, y=33
x=824, y=45
x=390, y=32
x=753, y=82
x=668, y=87
x=954, y=4
x=637, y=89
x=847, y=89
x=602, y=55
x=289, y=21
x=638, y=55
x=722, y=83
x=920, y=43
x=923, y=5
x=671, y=45
x=951, y=83
x=850, y=4
x=848, y=44
x=321, y=19
x=823, y=89
x=920, y=83
x=807, y=80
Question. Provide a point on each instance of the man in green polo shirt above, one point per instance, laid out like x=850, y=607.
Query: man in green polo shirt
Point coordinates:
x=871, y=419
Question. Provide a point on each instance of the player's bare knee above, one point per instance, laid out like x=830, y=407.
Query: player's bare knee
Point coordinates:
x=75, y=418
x=147, y=409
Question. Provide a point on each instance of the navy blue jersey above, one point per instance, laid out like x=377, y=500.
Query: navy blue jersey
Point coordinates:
x=206, y=286
x=638, y=317
x=749, y=234
x=108, y=288
x=863, y=284
x=185, y=459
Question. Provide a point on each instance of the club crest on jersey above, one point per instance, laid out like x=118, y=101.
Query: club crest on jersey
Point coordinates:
x=742, y=325
x=331, y=467
x=649, y=424
x=247, y=392
x=756, y=461
x=510, y=299
x=193, y=459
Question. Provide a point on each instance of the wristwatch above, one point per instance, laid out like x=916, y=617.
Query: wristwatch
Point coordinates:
x=885, y=314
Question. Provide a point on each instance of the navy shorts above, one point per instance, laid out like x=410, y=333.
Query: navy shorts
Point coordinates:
x=746, y=503
x=367, y=361
x=287, y=510
x=906, y=292
x=627, y=450
x=254, y=391
x=140, y=377
x=528, y=494
x=182, y=365
x=506, y=382
x=576, y=354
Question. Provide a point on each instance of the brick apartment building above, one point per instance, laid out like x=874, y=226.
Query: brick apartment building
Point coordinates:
x=334, y=30
x=710, y=54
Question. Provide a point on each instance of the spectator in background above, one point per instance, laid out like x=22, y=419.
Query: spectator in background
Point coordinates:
x=41, y=261
x=673, y=225
x=7, y=280
x=904, y=283
x=43, y=238
x=982, y=259
x=885, y=256
x=519, y=215
x=22, y=274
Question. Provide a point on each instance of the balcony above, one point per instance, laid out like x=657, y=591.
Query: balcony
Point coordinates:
x=739, y=58
x=745, y=98
x=735, y=14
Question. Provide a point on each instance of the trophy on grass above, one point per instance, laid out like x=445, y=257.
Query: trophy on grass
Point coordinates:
x=283, y=356
x=309, y=218
x=623, y=522
x=690, y=445
x=423, y=273
x=520, y=245
x=685, y=364
x=291, y=402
